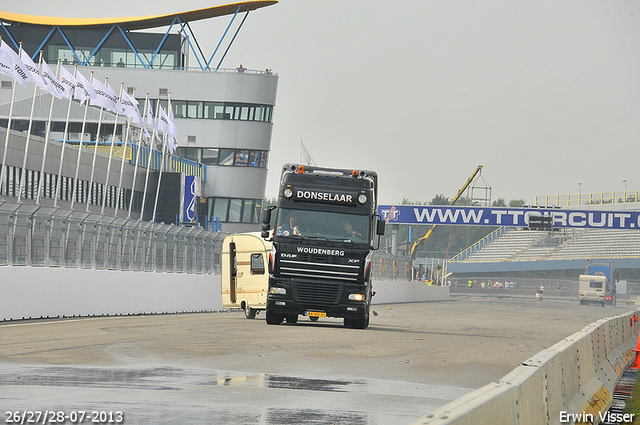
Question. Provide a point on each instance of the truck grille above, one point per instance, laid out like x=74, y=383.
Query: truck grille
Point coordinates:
x=319, y=268
x=316, y=292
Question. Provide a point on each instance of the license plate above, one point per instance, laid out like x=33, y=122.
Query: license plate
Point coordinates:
x=316, y=314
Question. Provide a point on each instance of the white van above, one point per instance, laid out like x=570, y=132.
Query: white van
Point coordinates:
x=245, y=277
x=592, y=289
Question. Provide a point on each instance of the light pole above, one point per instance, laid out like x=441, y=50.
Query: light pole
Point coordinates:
x=580, y=195
x=625, y=189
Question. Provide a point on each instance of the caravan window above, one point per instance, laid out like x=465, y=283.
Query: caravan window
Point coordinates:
x=257, y=264
x=597, y=285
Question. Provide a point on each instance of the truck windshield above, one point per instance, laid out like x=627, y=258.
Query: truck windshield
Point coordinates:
x=322, y=224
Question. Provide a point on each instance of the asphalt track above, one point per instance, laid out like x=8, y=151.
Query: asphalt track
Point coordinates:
x=222, y=368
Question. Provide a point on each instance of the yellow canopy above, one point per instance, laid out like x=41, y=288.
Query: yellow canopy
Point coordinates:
x=133, y=23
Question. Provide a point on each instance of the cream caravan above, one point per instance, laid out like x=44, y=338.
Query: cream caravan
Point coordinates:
x=245, y=278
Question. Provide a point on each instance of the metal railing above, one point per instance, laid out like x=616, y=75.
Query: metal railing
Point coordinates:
x=46, y=237
x=599, y=198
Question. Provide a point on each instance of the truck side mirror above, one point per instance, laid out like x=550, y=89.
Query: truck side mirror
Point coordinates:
x=266, y=218
x=380, y=227
x=266, y=222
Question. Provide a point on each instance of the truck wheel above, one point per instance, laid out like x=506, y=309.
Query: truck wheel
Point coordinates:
x=291, y=318
x=273, y=318
x=250, y=313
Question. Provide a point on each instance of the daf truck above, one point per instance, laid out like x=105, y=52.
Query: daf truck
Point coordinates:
x=323, y=231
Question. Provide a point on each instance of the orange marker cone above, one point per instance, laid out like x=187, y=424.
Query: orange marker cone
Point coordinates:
x=636, y=361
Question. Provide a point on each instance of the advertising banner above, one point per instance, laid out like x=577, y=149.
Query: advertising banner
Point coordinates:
x=190, y=199
x=512, y=217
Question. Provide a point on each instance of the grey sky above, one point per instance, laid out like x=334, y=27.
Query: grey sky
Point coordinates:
x=543, y=94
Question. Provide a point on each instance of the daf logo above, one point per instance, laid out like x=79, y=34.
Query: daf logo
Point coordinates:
x=285, y=255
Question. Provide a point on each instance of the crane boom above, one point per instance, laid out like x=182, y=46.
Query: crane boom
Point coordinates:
x=427, y=235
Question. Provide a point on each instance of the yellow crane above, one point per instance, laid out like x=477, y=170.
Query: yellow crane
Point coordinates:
x=427, y=235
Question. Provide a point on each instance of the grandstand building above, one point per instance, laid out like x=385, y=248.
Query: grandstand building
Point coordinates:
x=224, y=118
x=520, y=252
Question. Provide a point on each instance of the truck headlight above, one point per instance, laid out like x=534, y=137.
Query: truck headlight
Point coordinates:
x=356, y=297
x=362, y=199
x=278, y=291
x=288, y=193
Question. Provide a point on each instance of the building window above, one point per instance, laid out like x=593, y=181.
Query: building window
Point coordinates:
x=220, y=207
x=216, y=110
x=209, y=156
x=234, y=210
x=226, y=156
x=242, y=157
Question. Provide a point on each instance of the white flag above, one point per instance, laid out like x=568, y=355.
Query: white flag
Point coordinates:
x=105, y=97
x=36, y=75
x=151, y=119
x=130, y=106
x=20, y=73
x=173, y=139
x=305, y=157
x=68, y=81
x=163, y=122
x=6, y=65
x=54, y=86
x=84, y=89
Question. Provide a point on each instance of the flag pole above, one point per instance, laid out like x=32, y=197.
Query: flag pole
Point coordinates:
x=113, y=140
x=95, y=152
x=124, y=151
x=164, y=149
x=138, y=150
x=46, y=142
x=146, y=180
x=26, y=145
x=84, y=124
x=64, y=144
x=162, y=164
x=3, y=165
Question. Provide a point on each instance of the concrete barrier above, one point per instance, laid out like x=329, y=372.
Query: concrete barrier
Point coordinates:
x=390, y=292
x=42, y=292
x=571, y=382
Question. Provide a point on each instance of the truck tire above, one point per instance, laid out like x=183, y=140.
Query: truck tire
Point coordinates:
x=359, y=323
x=291, y=318
x=274, y=318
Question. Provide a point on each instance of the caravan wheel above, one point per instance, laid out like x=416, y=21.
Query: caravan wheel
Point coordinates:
x=250, y=313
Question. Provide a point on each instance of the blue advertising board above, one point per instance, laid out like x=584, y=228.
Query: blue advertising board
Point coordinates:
x=189, y=202
x=511, y=217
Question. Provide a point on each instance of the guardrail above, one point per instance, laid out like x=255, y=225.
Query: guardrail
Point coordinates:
x=570, y=382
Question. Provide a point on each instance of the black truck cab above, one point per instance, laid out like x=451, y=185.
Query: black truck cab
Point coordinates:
x=323, y=231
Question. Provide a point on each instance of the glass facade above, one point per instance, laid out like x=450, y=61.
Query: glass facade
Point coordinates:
x=226, y=157
x=198, y=109
x=233, y=210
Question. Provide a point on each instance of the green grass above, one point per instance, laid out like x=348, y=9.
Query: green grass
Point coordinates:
x=633, y=404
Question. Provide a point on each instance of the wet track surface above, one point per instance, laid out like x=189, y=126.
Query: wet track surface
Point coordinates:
x=181, y=395
x=222, y=368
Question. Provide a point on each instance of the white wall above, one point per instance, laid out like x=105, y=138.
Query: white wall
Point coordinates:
x=35, y=292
